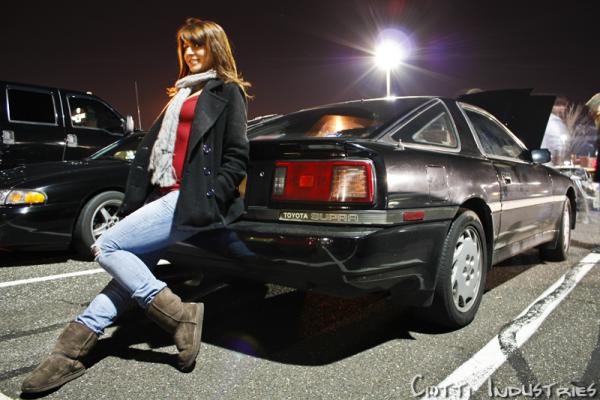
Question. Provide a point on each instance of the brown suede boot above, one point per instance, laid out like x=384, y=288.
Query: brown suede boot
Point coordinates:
x=182, y=320
x=63, y=364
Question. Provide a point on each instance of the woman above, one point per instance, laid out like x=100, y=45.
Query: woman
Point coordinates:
x=183, y=180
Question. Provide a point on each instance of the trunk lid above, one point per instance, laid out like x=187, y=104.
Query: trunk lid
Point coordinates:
x=526, y=115
x=264, y=154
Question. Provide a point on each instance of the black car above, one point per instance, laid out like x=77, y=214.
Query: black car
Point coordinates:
x=415, y=196
x=57, y=205
x=40, y=123
x=54, y=205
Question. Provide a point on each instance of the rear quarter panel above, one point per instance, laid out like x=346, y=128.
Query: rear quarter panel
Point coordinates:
x=411, y=183
x=562, y=185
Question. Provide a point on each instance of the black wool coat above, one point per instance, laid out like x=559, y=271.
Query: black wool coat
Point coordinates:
x=215, y=162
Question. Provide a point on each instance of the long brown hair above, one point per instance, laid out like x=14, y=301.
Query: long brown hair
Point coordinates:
x=210, y=34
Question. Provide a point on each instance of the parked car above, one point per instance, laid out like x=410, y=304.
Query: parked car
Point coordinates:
x=580, y=173
x=54, y=205
x=62, y=204
x=40, y=124
x=588, y=192
x=414, y=196
x=262, y=118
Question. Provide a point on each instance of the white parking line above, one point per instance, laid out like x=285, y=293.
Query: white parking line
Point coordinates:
x=50, y=277
x=60, y=276
x=54, y=277
x=469, y=377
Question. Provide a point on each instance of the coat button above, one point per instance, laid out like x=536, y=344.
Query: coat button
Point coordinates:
x=210, y=193
x=207, y=171
x=206, y=148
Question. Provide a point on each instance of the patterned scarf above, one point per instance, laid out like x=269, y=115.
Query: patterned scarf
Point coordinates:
x=161, y=159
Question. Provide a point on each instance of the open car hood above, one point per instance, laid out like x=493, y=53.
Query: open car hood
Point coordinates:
x=526, y=115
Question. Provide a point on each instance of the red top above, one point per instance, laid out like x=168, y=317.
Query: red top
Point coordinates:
x=186, y=116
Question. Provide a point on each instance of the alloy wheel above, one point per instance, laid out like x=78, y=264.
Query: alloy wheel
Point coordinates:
x=467, y=265
x=104, y=217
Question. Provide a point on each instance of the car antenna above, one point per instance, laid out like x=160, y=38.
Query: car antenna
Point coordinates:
x=137, y=101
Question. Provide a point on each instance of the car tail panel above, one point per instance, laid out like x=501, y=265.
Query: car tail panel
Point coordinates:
x=314, y=175
x=338, y=181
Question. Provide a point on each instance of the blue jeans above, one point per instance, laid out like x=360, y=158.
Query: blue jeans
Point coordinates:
x=129, y=251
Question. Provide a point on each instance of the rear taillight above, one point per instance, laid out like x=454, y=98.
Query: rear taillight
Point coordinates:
x=279, y=181
x=323, y=181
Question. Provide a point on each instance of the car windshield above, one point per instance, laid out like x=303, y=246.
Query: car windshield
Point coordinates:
x=359, y=119
x=123, y=149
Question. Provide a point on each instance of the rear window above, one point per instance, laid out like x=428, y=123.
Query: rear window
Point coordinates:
x=361, y=119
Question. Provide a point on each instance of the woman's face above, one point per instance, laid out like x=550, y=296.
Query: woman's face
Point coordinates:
x=196, y=57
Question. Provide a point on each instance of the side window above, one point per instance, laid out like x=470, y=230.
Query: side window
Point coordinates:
x=31, y=106
x=438, y=132
x=90, y=113
x=433, y=127
x=494, y=138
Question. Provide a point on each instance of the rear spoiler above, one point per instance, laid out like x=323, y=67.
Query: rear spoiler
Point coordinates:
x=525, y=114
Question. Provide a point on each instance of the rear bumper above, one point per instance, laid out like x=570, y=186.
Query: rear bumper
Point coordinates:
x=340, y=260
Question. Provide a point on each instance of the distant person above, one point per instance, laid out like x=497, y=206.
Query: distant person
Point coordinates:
x=557, y=133
x=593, y=106
x=182, y=181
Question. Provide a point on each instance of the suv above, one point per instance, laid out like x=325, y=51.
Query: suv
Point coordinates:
x=40, y=123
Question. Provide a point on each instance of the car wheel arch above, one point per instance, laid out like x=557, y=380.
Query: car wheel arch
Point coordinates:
x=466, y=227
x=483, y=211
x=90, y=196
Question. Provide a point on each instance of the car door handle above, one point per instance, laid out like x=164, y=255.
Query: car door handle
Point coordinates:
x=507, y=179
x=71, y=140
x=8, y=137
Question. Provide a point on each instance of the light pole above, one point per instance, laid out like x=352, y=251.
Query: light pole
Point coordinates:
x=389, y=55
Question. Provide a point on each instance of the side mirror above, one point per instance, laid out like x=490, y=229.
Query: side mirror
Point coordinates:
x=129, y=125
x=540, y=156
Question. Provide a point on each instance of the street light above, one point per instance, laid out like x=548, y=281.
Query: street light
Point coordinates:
x=389, y=54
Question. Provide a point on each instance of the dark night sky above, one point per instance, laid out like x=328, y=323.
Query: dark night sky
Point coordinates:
x=300, y=53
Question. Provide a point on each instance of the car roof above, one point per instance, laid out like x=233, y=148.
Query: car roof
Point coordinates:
x=352, y=102
x=44, y=87
x=257, y=123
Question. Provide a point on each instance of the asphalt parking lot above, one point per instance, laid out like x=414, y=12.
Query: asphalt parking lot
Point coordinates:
x=538, y=327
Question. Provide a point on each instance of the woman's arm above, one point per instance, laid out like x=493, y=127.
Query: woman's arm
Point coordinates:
x=236, y=148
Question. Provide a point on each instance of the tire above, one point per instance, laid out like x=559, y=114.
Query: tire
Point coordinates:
x=560, y=250
x=462, y=271
x=97, y=215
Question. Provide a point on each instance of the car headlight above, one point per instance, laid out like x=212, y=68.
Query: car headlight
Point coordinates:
x=14, y=197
